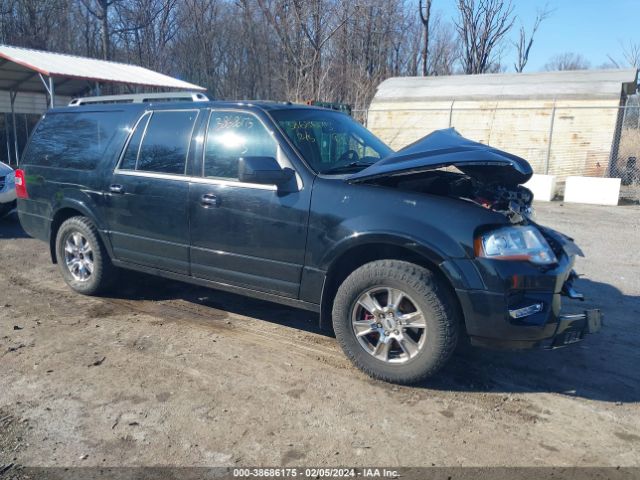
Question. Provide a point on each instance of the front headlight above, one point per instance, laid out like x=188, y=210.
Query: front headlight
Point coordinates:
x=515, y=243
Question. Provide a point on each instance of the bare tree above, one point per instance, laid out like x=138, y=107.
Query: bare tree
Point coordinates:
x=315, y=18
x=100, y=10
x=34, y=23
x=305, y=29
x=445, y=48
x=332, y=50
x=278, y=14
x=567, y=61
x=425, y=17
x=630, y=56
x=146, y=29
x=380, y=39
x=525, y=42
x=482, y=26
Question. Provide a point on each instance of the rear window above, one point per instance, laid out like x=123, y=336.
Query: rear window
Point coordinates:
x=160, y=143
x=72, y=139
x=166, y=142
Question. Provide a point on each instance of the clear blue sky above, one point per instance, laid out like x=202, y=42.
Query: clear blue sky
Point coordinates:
x=592, y=28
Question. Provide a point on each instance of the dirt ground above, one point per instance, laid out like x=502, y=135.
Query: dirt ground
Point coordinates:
x=171, y=374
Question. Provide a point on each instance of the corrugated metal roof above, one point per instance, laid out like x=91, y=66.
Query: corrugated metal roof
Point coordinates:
x=19, y=68
x=542, y=85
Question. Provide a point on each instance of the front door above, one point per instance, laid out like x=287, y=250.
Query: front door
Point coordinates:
x=243, y=234
x=147, y=198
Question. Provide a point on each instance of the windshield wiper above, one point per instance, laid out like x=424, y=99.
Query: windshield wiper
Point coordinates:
x=347, y=167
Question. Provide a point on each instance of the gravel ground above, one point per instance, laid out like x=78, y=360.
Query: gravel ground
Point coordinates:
x=171, y=374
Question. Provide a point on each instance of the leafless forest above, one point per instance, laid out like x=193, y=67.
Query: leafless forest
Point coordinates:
x=332, y=50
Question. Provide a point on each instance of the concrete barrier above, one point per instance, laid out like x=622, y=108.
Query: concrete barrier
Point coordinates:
x=594, y=190
x=542, y=186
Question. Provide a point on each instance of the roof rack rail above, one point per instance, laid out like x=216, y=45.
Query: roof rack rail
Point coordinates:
x=141, y=98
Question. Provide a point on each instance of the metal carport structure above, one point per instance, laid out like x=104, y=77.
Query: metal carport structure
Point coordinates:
x=41, y=75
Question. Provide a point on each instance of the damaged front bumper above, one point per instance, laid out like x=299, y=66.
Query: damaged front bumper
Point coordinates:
x=518, y=305
x=573, y=327
x=489, y=325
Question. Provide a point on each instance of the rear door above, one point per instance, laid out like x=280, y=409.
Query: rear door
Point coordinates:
x=245, y=234
x=147, y=198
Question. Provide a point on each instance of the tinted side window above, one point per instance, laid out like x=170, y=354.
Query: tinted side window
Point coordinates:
x=230, y=136
x=72, y=139
x=166, y=142
x=130, y=156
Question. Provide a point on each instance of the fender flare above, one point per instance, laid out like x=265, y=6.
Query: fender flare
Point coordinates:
x=420, y=248
x=84, y=210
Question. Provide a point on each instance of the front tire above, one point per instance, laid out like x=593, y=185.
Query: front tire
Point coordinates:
x=82, y=258
x=396, y=321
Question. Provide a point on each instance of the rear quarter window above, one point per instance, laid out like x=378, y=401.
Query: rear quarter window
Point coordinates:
x=75, y=140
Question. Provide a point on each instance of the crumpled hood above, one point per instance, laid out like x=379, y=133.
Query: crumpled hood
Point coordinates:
x=443, y=148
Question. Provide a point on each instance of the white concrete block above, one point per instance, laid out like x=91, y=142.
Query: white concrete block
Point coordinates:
x=594, y=190
x=542, y=186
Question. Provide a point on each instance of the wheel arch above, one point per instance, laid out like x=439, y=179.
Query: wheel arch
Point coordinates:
x=65, y=211
x=343, y=264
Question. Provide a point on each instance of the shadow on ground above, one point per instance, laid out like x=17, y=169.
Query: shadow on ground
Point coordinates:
x=139, y=286
x=10, y=227
x=603, y=367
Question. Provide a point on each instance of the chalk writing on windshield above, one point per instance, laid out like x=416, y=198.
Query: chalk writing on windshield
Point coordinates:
x=227, y=122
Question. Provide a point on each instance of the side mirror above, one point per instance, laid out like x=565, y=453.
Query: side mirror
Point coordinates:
x=263, y=170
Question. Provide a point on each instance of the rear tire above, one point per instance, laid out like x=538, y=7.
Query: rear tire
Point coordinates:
x=405, y=318
x=83, y=261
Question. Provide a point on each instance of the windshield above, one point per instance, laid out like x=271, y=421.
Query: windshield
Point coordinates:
x=331, y=142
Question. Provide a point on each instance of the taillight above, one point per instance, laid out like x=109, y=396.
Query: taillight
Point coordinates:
x=21, y=185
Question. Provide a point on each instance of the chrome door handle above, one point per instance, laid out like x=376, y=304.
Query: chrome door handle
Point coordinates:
x=209, y=200
x=116, y=188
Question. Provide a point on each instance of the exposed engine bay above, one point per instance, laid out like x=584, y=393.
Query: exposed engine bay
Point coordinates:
x=512, y=201
x=445, y=163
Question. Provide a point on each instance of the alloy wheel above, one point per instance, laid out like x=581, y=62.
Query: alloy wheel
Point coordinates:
x=78, y=256
x=388, y=324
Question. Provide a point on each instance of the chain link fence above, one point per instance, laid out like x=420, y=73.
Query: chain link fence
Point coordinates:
x=560, y=140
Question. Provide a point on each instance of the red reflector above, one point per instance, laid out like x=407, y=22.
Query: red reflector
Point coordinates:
x=21, y=185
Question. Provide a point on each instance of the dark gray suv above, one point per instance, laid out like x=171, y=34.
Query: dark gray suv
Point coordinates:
x=402, y=252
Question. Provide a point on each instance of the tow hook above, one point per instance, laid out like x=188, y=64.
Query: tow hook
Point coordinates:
x=569, y=291
x=572, y=328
